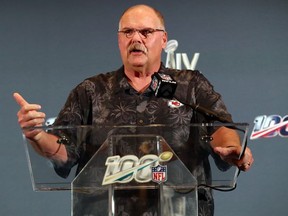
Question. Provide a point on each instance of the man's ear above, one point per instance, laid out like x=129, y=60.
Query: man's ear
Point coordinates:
x=164, y=39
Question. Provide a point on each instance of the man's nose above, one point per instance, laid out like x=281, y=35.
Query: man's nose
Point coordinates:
x=137, y=36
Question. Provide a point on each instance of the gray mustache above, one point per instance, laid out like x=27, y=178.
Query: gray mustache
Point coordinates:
x=137, y=46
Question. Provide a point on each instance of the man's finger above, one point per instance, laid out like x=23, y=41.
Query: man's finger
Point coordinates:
x=33, y=123
x=19, y=99
x=227, y=152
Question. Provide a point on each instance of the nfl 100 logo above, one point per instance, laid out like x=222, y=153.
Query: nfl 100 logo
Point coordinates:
x=159, y=174
x=125, y=169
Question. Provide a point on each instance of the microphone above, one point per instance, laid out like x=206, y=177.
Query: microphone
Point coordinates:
x=163, y=85
x=209, y=113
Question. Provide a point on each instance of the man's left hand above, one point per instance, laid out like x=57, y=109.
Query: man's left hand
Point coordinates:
x=231, y=154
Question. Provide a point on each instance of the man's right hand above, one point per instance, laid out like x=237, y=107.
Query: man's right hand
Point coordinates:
x=29, y=116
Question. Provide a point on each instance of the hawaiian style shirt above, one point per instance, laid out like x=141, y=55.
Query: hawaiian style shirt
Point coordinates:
x=109, y=99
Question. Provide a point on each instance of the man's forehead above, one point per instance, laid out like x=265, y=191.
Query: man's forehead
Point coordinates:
x=140, y=17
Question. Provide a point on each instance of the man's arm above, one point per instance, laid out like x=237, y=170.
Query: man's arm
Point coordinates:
x=43, y=143
x=226, y=143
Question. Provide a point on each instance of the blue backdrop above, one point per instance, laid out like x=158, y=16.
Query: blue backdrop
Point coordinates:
x=47, y=47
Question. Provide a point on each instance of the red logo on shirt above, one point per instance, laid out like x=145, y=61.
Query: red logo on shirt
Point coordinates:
x=174, y=104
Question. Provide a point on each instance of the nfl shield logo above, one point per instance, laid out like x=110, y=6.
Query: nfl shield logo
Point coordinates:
x=159, y=174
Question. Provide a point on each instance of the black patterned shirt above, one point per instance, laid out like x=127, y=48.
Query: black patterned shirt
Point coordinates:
x=109, y=99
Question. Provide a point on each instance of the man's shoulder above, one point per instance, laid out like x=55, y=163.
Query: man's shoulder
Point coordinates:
x=103, y=76
x=184, y=74
x=100, y=81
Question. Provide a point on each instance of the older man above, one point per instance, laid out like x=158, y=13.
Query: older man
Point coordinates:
x=123, y=97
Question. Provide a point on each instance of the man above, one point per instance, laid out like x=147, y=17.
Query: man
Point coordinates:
x=124, y=97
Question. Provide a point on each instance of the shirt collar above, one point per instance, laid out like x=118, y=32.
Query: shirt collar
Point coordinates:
x=122, y=81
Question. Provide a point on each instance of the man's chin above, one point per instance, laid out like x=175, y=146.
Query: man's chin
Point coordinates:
x=138, y=63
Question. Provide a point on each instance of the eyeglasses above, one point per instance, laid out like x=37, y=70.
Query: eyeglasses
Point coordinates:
x=144, y=33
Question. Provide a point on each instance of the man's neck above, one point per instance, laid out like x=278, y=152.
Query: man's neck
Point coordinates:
x=139, y=78
x=140, y=82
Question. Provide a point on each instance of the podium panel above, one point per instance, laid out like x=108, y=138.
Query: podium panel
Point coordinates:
x=153, y=169
x=135, y=175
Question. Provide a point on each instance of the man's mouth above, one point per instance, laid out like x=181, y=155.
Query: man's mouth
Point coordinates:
x=136, y=51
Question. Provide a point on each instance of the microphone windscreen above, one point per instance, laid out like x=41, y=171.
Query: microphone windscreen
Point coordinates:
x=163, y=85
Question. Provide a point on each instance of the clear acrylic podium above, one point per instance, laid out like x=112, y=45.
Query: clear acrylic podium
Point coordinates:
x=137, y=169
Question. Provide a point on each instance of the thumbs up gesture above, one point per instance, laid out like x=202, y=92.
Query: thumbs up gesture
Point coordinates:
x=29, y=115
